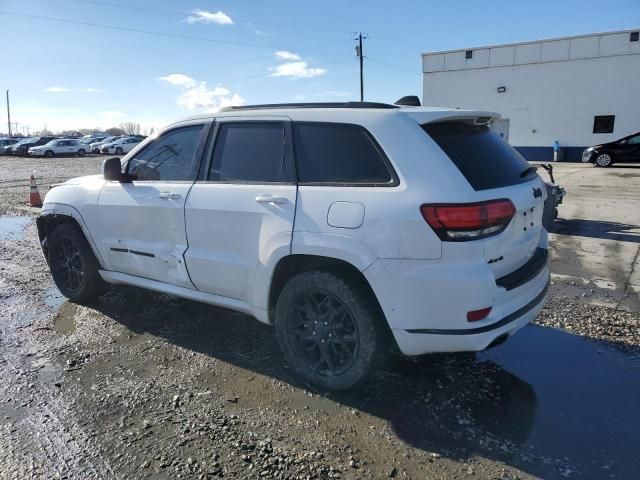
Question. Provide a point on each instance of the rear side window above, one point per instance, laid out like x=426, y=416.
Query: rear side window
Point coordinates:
x=338, y=154
x=249, y=152
x=485, y=160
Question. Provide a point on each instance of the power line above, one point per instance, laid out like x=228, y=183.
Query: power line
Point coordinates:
x=161, y=34
x=393, y=66
x=177, y=12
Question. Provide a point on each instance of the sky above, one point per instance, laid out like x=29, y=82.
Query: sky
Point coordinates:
x=97, y=63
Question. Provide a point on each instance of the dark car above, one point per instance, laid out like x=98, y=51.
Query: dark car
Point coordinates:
x=626, y=149
x=5, y=142
x=22, y=148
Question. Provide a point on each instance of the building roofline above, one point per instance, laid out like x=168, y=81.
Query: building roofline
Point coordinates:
x=529, y=42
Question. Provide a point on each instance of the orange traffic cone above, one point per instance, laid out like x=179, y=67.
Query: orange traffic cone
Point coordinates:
x=35, y=200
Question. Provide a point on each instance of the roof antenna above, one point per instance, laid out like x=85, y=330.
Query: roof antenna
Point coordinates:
x=408, y=101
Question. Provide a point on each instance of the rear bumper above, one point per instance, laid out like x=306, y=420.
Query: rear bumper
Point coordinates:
x=426, y=303
x=421, y=341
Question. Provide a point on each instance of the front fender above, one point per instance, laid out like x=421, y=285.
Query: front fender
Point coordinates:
x=59, y=209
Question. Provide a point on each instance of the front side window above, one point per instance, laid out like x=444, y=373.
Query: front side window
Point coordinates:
x=634, y=140
x=171, y=157
x=338, y=154
x=249, y=152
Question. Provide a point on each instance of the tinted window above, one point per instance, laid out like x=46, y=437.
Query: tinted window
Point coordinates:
x=169, y=157
x=485, y=160
x=634, y=140
x=249, y=152
x=603, y=123
x=327, y=153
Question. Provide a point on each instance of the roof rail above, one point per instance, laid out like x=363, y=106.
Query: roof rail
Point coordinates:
x=310, y=105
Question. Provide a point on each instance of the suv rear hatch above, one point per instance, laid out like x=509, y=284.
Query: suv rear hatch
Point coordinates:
x=495, y=170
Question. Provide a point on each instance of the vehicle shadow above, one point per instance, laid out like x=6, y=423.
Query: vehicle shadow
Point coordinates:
x=458, y=406
x=597, y=229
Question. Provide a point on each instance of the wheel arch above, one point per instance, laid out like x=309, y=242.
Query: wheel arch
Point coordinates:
x=294, y=264
x=47, y=221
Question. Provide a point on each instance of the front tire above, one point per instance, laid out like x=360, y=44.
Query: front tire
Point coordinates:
x=81, y=152
x=118, y=151
x=604, y=160
x=73, y=266
x=330, y=330
x=48, y=153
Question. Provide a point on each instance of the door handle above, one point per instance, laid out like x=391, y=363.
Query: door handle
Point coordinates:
x=271, y=199
x=169, y=195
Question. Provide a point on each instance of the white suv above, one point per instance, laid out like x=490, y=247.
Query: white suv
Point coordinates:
x=353, y=228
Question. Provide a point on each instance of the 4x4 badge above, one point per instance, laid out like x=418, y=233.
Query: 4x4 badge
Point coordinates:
x=537, y=192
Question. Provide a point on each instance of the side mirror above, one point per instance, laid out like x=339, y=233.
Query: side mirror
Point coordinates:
x=112, y=169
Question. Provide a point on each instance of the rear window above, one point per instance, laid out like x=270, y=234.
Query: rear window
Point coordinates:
x=338, y=154
x=485, y=160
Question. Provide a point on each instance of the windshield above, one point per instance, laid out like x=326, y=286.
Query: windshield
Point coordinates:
x=27, y=140
x=52, y=142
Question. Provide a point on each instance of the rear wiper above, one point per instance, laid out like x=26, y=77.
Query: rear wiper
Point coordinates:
x=528, y=171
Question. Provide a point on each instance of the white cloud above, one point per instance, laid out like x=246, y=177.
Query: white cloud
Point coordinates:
x=296, y=70
x=198, y=95
x=205, y=16
x=91, y=90
x=179, y=79
x=285, y=55
x=56, y=89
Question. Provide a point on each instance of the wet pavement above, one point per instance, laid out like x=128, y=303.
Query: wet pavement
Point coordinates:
x=12, y=228
x=584, y=404
x=143, y=385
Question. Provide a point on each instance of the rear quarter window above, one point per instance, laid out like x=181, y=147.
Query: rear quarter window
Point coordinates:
x=485, y=160
x=339, y=154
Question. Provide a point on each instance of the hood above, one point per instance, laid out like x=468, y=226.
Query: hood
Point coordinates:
x=81, y=180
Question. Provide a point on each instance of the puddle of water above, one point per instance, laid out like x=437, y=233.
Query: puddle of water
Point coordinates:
x=586, y=404
x=64, y=321
x=13, y=228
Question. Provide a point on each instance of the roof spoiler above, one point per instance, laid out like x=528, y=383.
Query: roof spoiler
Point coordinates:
x=408, y=101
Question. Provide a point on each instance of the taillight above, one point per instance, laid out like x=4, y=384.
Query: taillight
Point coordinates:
x=455, y=222
x=475, y=315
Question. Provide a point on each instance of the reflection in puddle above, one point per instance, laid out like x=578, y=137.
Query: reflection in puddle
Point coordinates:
x=587, y=398
x=13, y=228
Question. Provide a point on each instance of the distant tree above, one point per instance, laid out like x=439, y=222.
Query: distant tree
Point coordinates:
x=130, y=128
x=113, y=131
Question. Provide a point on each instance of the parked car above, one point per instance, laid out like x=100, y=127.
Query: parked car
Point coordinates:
x=62, y=146
x=120, y=146
x=416, y=229
x=22, y=148
x=626, y=149
x=86, y=142
x=96, y=137
x=5, y=142
x=95, y=147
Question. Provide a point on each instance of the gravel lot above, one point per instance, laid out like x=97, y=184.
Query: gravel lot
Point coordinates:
x=143, y=385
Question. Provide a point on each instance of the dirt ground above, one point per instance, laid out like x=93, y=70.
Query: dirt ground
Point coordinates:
x=143, y=385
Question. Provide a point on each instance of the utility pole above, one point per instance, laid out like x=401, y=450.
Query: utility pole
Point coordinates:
x=361, y=58
x=8, y=113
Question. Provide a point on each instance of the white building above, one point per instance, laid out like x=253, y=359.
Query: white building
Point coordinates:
x=580, y=91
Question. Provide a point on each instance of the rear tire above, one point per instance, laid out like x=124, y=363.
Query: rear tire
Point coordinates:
x=604, y=160
x=48, y=153
x=73, y=266
x=330, y=330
